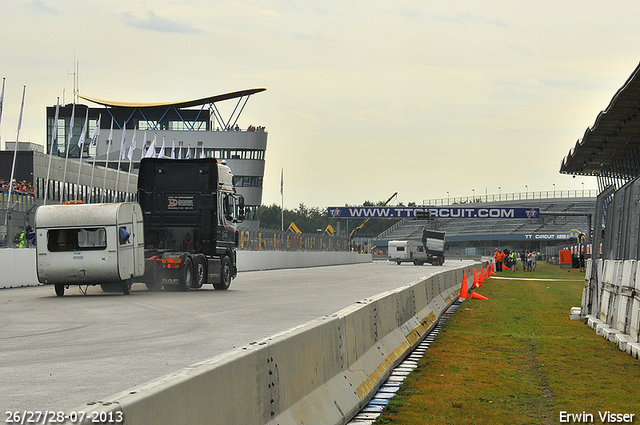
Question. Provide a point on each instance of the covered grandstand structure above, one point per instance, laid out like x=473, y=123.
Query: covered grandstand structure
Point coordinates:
x=562, y=222
x=609, y=150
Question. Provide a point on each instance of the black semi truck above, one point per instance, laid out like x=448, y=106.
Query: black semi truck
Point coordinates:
x=433, y=243
x=190, y=209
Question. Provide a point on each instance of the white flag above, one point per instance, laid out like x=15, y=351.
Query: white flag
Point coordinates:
x=1, y=99
x=123, y=147
x=187, y=156
x=151, y=152
x=144, y=145
x=84, y=131
x=179, y=152
x=95, y=133
x=202, y=155
x=173, y=149
x=132, y=147
x=54, y=135
x=73, y=112
x=161, y=154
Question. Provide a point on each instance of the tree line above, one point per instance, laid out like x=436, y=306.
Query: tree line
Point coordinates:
x=315, y=219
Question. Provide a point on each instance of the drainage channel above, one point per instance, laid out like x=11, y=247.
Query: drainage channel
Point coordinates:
x=372, y=411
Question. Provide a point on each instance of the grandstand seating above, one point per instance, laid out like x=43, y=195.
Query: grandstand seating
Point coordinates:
x=412, y=229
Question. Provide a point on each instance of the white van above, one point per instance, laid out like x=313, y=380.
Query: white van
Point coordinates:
x=407, y=251
x=89, y=244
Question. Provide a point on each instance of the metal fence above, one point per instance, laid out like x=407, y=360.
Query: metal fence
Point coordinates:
x=17, y=202
x=17, y=212
x=517, y=196
x=252, y=239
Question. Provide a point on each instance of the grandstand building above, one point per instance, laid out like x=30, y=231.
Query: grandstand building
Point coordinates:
x=186, y=129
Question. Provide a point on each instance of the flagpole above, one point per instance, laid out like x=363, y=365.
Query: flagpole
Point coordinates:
x=54, y=137
x=81, y=145
x=130, y=156
x=15, y=153
x=121, y=155
x=66, y=159
x=106, y=164
x=282, y=201
x=94, y=136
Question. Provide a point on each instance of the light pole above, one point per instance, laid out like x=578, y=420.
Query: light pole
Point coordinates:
x=500, y=193
x=473, y=198
x=526, y=196
x=554, y=190
x=583, y=189
x=447, y=197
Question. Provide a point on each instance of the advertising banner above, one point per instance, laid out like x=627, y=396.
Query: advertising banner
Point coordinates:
x=434, y=212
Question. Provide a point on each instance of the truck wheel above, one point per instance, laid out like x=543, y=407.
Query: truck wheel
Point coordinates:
x=59, y=289
x=186, y=279
x=225, y=275
x=126, y=286
x=199, y=271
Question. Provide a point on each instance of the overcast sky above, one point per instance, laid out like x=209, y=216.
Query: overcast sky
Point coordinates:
x=364, y=98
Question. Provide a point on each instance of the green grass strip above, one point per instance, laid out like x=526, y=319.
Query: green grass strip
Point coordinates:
x=518, y=359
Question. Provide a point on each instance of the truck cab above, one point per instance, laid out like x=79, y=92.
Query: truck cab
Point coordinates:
x=191, y=210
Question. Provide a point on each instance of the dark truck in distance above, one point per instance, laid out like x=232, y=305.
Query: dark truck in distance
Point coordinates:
x=433, y=242
x=190, y=209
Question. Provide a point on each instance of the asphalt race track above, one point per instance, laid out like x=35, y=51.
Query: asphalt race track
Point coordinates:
x=58, y=353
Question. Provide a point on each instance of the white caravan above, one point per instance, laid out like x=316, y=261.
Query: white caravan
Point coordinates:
x=89, y=244
x=407, y=251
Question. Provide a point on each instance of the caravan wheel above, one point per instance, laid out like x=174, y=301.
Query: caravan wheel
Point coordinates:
x=126, y=286
x=59, y=289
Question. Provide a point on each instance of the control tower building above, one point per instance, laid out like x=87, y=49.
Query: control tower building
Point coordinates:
x=190, y=129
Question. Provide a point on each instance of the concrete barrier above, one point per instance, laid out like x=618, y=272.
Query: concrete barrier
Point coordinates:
x=618, y=314
x=20, y=264
x=322, y=372
x=269, y=260
x=625, y=297
x=19, y=267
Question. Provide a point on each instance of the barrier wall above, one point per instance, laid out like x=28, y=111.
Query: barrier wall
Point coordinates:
x=269, y=260
x=617, y=317
x=19, y=265
x=322, y=372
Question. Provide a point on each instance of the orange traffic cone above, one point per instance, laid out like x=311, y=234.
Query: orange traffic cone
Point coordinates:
x=476, y=296
x=464, y=291
x=487, y=271
x=481, y=274
x=493, y=271
x=476, y=280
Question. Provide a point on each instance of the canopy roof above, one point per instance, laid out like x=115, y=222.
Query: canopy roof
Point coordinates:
x=610, y=146
x=178, y=105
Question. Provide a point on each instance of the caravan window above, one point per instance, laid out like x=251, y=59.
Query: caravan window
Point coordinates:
x=59, y=240
x=399, y=248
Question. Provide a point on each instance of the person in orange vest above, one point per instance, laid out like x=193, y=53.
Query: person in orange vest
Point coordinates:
x=498, y=256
